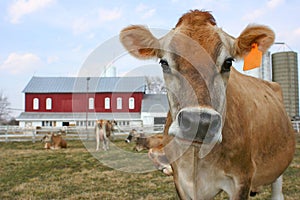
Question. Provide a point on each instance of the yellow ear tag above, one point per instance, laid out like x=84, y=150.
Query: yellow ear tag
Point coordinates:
x=253, y=59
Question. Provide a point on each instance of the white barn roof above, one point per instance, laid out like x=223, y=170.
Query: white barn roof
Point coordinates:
x=79, y=84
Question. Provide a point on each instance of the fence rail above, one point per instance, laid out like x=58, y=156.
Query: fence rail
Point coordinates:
x=19, y=134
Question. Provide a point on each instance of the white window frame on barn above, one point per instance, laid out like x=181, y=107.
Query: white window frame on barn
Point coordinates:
x=48, y=104
x=36, y=103
x=119, y=103
x=131, y=103
x=107, y=103
x=91, y=103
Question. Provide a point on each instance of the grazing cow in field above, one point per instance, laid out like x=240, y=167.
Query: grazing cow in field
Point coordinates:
x=103, y=130
x=54, y=141
x=146, y=143
x=228, y=132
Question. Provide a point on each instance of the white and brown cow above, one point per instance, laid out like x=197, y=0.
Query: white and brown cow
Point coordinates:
x=103, y=130
x=228, y=132
x=54, y=141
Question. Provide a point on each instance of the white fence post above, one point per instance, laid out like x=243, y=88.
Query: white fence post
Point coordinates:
x=6, y=134
x=33, y=135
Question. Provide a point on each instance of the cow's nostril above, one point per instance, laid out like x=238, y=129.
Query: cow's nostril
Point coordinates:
x=184, y=120
x=205, y=117
x=215, y=123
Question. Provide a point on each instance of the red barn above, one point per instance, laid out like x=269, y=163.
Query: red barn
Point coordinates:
x=64, y=101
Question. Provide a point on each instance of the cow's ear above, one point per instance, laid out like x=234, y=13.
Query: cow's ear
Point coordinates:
x=139, y=42
x=261, y=35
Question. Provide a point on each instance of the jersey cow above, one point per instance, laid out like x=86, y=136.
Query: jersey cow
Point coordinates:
x=54, y=141
x=103, y=130
x=228, y=132
x=146, y=143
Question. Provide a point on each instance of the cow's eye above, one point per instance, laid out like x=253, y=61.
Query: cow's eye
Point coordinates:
x=227, y=65
x=165, y=66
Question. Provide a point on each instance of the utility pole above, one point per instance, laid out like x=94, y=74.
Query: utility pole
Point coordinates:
x=87, y=103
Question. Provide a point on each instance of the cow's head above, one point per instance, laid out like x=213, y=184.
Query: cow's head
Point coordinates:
x=114, y=125
x=111, y=125
x=103, y=124
x=196, y=59
x=47, y=138
x=108, y=124
x=100, y=123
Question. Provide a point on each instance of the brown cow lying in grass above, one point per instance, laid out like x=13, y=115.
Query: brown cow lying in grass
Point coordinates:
x=133, y=135
x=54, y=141
x=146, y=143
x=154, y=142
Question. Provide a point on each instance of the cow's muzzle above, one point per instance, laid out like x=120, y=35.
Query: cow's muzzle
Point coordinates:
x=160, y=161
x=199, y=125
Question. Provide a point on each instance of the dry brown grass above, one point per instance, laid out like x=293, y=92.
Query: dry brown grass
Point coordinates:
x=27, y=171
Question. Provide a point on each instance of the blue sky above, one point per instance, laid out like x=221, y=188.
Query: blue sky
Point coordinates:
x=55, y=37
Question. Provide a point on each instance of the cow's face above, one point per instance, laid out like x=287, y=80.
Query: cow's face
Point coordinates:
x=101, y=123
x=196, y=59
x=47, y=138
x=112, y=125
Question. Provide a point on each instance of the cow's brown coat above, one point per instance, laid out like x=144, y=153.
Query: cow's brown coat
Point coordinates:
x=146, y=143
x=258, y=141
x=103, y=130
x=54, y=141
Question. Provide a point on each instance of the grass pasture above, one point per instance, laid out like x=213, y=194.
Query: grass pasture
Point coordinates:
x=27, y=171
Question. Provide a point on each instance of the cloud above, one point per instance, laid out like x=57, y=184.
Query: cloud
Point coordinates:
x=91, y=36
x=149, y=13
x=20, y=63
x=292, y=37
x=77, y=48
x=145, y=10
x=269, y=6
x=141, y=7
x=105, y=15
x=81, y=25
x=253, y=15
x=274, y=3
x=22, y=7
x=95, y=19
x=52, y=59
x=297, y=32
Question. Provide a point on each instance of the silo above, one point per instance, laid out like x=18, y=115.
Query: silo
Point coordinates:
x=265, y=68
x=285, y=72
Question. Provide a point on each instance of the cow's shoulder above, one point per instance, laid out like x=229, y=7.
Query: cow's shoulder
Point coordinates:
x=250, y=101
x=276, y=88
x=241, y=86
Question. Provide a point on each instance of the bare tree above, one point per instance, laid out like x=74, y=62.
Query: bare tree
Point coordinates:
x=4, y=110
x=155, y=85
